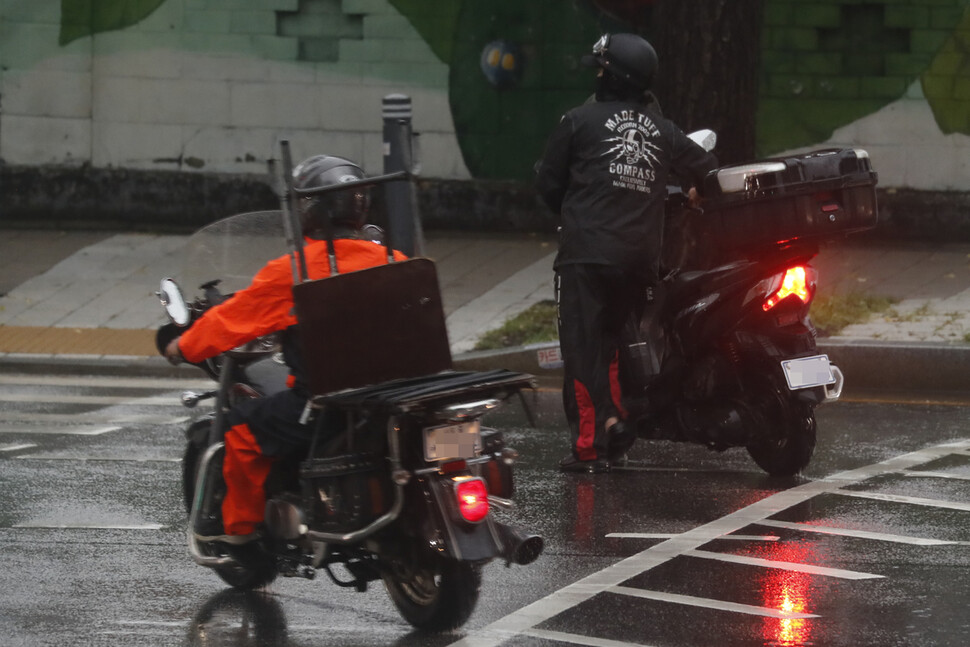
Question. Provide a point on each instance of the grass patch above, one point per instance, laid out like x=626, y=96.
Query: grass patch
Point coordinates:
x=831, y=314
x=532, y=326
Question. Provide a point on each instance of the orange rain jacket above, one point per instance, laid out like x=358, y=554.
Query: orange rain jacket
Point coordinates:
x=267, y=304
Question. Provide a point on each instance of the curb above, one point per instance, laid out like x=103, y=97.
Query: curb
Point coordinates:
x=868, y=366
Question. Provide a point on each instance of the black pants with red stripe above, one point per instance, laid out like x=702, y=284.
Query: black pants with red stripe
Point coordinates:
x=595, y=302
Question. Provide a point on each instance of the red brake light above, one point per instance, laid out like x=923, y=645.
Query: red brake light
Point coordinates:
x=798, y=280
x=472, y=499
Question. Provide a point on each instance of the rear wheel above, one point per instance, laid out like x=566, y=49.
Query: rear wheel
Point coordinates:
x=436, y=594
x=788, y=440
x=255, y=567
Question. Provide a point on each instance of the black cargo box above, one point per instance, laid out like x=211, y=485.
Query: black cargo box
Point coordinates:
x=820, y=195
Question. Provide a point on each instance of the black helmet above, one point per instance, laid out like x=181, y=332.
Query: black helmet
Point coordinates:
x=628, y=57
x=348, y=207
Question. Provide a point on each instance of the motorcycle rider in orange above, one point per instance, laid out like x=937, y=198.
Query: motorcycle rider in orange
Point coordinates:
x=264, y=429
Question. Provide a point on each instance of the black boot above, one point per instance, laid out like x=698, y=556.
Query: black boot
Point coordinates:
x=572, y=464
x=620, y=439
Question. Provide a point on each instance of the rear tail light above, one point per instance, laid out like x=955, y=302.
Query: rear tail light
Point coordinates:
x=472, y=498
x=799, y=281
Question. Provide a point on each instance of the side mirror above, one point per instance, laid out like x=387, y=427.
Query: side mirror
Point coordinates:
x=171, y=297
x=706, y=139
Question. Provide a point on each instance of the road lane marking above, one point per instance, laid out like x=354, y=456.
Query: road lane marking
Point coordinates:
x=908, y=500
x=938, y=475
x=105, y=382
x=58, y=431
x=12, y=447
x=118, y=459
x=58, y=398
x=794, y=567
x=576, y=639
x=30, y=525
x=93, y=417
x=531, y=615
x=861, y=534
x=708, y=603
x=667, y=535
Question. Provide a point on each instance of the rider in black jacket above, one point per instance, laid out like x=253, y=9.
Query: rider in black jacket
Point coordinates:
x=605, y=173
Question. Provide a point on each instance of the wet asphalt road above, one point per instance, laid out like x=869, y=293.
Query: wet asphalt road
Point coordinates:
x=684, y=547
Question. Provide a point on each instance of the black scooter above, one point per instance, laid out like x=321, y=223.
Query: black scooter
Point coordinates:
x=724, y=353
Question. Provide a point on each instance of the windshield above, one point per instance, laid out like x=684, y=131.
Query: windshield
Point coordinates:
x=232, y=250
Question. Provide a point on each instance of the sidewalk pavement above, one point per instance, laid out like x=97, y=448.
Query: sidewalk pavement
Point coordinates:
x=87, y=299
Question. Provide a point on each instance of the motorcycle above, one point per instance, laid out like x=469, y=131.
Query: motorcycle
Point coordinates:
x=402, y=481
x=724, y=352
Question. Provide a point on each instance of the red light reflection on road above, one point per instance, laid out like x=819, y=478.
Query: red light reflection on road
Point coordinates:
x=790, y=593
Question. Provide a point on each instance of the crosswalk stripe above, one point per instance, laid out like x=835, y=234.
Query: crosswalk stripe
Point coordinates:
x=576, y=639
x=909, y=500
x=708, y=603
x=12, y=447
x=937, y=475
x=667, y=535
x=861, y=534
x=786, y=566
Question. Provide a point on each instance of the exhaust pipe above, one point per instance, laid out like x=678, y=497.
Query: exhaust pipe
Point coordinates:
x=517, y=546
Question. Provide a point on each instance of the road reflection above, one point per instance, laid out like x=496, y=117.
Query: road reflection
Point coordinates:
x=239, y=619
x=790, y=593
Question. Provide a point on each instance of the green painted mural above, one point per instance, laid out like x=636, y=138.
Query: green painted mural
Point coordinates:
x=946, y=83
x=830, y=62
x=513, y=65
x=826, y=63
x=80, y=18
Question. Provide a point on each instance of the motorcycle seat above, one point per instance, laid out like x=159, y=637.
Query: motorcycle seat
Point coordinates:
x=687, y=281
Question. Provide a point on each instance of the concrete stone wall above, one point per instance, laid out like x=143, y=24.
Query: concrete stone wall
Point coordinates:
x=213, y=85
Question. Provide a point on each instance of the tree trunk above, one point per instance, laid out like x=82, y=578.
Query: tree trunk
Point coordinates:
x=709, y=54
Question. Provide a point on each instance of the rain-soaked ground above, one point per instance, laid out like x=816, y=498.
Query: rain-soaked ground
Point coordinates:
x=682, y=547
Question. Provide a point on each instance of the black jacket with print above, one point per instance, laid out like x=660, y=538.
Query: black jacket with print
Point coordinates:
x=605, y=172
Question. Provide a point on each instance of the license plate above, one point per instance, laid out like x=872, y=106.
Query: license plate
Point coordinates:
x=807, y=372
x=463, y=440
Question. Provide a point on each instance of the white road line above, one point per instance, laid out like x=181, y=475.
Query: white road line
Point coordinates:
x=526, y=618
x=93, y=417
x=908, y=500
x=708, y=603
x=12, y=447
x=861, y=534
x=576, y=639
x=785, y=566
x=58, y=398
x=59, y=431
x=118, y=459
x=938, y=475
x=105, y=382
x=87, y=526
x=664, y=535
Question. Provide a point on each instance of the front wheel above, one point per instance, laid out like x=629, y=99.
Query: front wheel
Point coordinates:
x=788, y=453
x=255, y=567
x=435, y=596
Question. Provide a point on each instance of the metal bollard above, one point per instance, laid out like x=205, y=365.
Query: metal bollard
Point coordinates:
x=404, y=221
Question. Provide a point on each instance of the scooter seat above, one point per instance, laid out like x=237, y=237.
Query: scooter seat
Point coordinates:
x=688, y=280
